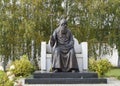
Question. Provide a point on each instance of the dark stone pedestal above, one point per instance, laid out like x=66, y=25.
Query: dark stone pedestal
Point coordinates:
x=65, y=78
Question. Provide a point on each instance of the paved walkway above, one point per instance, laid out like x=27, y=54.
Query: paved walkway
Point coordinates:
x=111, y=82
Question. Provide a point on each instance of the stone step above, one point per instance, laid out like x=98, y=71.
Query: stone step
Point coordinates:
x=65, y=81
x=65, y=75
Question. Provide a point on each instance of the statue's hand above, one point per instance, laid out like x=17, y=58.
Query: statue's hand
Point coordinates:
x=52, y=41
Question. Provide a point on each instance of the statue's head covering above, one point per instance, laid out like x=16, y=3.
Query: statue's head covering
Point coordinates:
x=63, y=21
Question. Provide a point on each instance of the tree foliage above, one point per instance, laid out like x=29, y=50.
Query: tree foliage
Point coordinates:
x=21, y=21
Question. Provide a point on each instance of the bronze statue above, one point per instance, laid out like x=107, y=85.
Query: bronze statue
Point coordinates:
x=63, y=56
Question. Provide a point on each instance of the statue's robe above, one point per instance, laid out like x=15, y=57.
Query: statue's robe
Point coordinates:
x=63, y=55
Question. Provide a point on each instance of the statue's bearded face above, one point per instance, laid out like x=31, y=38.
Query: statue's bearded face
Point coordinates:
x=63, y=25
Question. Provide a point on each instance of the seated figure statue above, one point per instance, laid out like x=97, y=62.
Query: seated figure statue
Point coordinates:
x=63, y=55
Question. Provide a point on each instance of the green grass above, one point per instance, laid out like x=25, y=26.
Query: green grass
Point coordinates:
x=114, y=72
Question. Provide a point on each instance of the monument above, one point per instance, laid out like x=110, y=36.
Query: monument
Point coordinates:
x=63, y=55
x=65, y=61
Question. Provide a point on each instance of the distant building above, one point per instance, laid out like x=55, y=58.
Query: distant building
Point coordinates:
x=111, y=54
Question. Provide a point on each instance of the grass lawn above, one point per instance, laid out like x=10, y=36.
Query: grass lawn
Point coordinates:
x=114, y=72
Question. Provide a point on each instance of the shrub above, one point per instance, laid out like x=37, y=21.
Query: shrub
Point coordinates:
x=23, y=67
x=4, y=81
x=100, y=66
x=118, y=77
